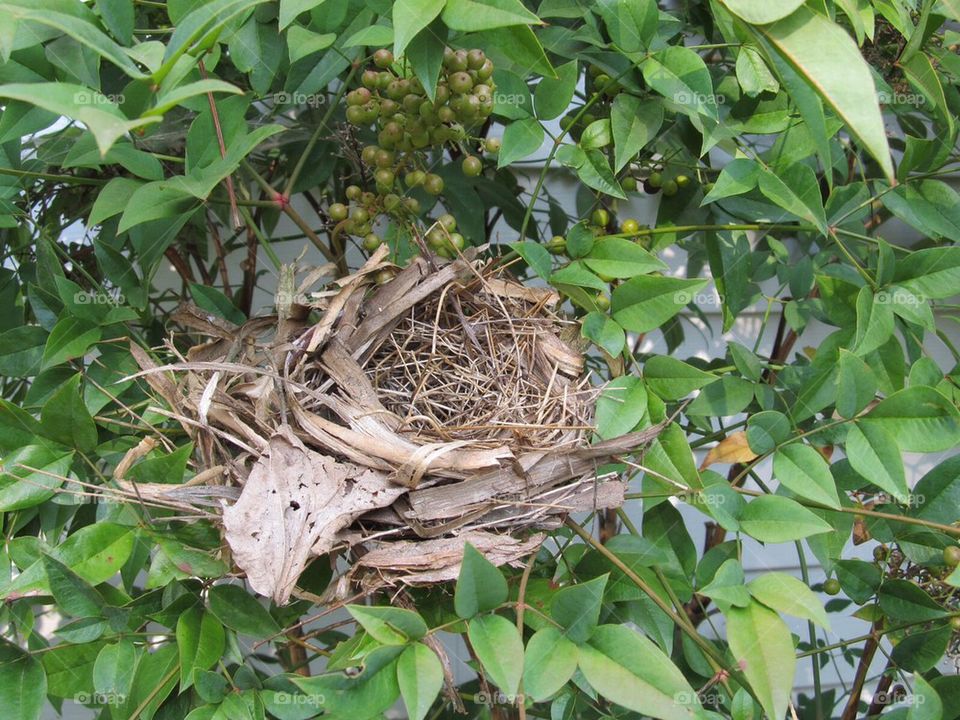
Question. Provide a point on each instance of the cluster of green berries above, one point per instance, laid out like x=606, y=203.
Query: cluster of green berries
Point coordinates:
x=406, y=118
x=407, y=123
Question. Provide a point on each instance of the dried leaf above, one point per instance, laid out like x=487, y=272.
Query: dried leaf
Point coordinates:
x=732, y=449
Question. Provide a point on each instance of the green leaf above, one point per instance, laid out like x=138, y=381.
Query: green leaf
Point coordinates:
x=728, y=397
x=673, y=379
x=389, y=625
x=290, y=9
x=859, y=579
x=95, y=553
x=632, y=24
x=214, y=301
x=410, y=17
x=785, y=593
x=30, y=475
x=170, y=99
x=905, y=601
x=200, y=642
x=425, y=55
x=681, y=76
x=926, y=703
x=153, y=681
x=620, y=407
x=23, y=684
x=114, y=668
x=727, y=586
x=938, y=492
x=551, y=660
x=372, y=36
x=828, y=60
x=873, y=453
x=118, y=16
x=753, y=74
x=920, y=418
x=621, y=258
x=628, y=669
x=738, y=176
x=520, y=139
x=796, y=190
x=64, y=418
x=21, y=350
x=302, y=43
x=776, y=519
x=634, y=123
x=240, y=611
x=499, y=649
x=553, y=95
x=200, y=27
x=70, y=338
x=475, y=15
x=96, y=111
x=73, y=595
x=874, y=322
x=592, y=168
x=112, y=199
x=155, y=201
x=535, y=255
x=761, y=12
x=596, y=134
x=763, y=647
x=856, y=384
x=766, y=430
x=645, y=303
x=577, y=608
x=931, y=272
x=481, y=586
x=420, y=677
x=603, y=332
x=803, y=470
x=85, y=33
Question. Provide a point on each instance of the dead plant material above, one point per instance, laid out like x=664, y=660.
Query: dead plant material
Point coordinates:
x=440, y=407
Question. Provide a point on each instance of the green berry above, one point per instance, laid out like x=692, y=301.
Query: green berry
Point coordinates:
x=460, y=82
x=371, y=242
x=655, y=180
x=359, y=216
x=475, y=59
x=629, y=183
x=951, y=555
x=602, y=301
x=600, y=217
x=630, y=226
x=353, y=192
x=670, y=188
x=557, y=245
x=414, y=178
x=472, y=166
x=433, y=184
x=457, y=241
x=448, y=222
x=384, y=177
x=683, y=180
x=356, y=115
x=831, y=586
x=412, y=204
x=383, y=58
x=337, y=212
x=492, y=145
x=391, y=202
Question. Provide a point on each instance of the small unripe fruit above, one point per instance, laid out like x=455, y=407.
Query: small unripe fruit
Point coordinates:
x=670, y=188
x=492, y=145
x=448, y=222
x=433, y=184
x=630, y=226
x=951, y=555
x=384, y=177
x=353, y=192
x=412, y=204
x=383, y=276
x=369, y=79
x=337, y=212
x=391, y=202
x=383, y=58
x=485, y=71
x=384, y=158
x=458, y=62
x=600, y=217
x=414, y=178
x=655, y=180
x=460, y=82
x=629, y=183
x=359, y=216
x=955, y=623
x=602, y=302
x=371, y=242
x=360, y=96
x=436, y=238
x=356, y=115
x=557, y=245
x=831, y=586
x=683, y=180
x=384, y=79
x=475, y=59
x=457, y=241
x=472, y=166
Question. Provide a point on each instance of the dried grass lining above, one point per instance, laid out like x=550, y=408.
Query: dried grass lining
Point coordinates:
x=440, y=407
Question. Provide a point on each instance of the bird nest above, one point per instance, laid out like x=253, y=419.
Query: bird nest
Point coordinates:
x=446, y=405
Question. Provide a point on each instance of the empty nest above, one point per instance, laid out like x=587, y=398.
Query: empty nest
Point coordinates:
x=446, y=405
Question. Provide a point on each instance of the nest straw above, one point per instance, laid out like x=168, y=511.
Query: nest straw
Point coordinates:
x=440, y=407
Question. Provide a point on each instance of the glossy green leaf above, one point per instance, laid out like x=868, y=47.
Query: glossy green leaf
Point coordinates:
x=775, y=519
x=673, y=379
x=787, y=594
x=420, y=677
x=803, y=470
x=762, y=646
x=200, y=642
x=480, y=587
x=645, y=303
x=634, y=123
x=551, y=660
x=499, y=648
